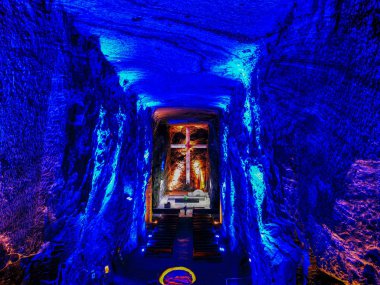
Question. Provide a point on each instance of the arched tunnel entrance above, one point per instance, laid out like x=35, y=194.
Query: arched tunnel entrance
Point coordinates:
x=184, y=213
x=185, y=161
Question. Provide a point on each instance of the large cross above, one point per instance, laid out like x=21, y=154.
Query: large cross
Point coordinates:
x=188, y=147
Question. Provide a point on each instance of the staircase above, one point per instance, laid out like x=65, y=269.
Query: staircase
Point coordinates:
x=161, y=239
x=198, y=230
x=204, y=240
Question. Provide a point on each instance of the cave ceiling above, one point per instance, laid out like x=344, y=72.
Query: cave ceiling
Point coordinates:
x=166, y=50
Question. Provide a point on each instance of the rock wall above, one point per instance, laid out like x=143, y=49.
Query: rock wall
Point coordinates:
x=256, y=227
x=215, y=156
x=299, y=148
x=70, y=150
x=161, y=148
x=319, y=108
x=32, y=106
x=309, y=112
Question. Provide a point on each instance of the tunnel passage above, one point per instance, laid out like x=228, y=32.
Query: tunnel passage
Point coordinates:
x=295, y=88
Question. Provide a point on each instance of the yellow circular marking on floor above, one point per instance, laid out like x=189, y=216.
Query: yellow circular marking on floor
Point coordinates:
x=178, y=268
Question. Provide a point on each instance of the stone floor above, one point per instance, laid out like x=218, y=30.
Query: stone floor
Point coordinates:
x=139, y=269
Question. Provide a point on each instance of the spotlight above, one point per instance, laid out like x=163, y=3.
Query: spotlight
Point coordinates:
x=143, y=249
x=217, y=236
x=149, y=236
x=222, y=249
x=250, y=260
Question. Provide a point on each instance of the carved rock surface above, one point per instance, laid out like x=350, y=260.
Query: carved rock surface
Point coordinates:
x=294, y=87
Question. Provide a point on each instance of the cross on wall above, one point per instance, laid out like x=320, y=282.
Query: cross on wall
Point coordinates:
x=188, y=146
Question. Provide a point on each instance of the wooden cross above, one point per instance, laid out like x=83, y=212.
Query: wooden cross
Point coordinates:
x=188, y=147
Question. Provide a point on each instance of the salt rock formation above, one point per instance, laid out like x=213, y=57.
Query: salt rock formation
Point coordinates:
x=294, y=145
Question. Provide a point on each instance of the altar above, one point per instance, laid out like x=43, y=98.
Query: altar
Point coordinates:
x=179, y=201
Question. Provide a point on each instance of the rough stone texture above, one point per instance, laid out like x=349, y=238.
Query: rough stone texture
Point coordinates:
x=256, y=225
x=215, y=154
x=320, y=102
x=161, y=147
x=168, y=49
x=176, y=159
x=352, y=248
x=32, y=115
x=64, y=120
x=317, y=90
x=296, y=86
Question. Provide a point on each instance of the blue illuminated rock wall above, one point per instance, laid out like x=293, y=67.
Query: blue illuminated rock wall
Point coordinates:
x=251, y=219
x=70, y=150
x=299, y=147
x=320, y=108
x=31, y=137
x=293, y=197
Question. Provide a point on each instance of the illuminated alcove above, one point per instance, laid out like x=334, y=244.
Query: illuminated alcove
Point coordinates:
x=185, y=158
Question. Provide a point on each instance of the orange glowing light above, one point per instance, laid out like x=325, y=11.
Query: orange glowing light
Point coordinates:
x=176, y=176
